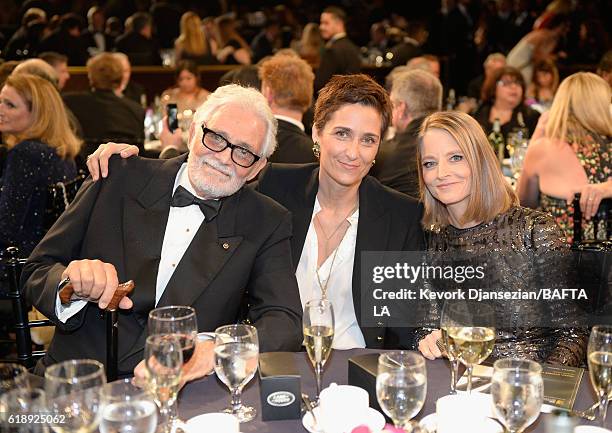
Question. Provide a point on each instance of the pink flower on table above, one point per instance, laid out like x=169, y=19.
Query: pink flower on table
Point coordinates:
x=388, y=429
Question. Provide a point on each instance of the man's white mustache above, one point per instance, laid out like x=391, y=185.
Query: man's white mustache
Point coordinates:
x=216, y=165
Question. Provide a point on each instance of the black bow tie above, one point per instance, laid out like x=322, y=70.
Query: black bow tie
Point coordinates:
x=182, y=198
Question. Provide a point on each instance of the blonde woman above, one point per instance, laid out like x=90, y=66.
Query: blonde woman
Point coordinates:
x=310, y=45
x=470, y=208
x=233, y=49
x=42, y=148
x=192, y=43
x=573, y=156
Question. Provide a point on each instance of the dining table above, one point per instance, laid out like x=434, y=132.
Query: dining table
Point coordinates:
x=211, y=395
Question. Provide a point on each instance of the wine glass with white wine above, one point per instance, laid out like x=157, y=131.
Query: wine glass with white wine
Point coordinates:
x=164, y=362
x=600, y=366
x=517, y=390
x=401, y=386
x=472, y=337
x=318, y=330
x=236, y=361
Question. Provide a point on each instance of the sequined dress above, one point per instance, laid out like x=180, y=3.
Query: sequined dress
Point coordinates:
x=536, y=240
x=594, y=156
x=31, y=166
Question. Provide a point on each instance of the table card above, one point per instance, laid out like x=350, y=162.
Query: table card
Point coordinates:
x=280, y=387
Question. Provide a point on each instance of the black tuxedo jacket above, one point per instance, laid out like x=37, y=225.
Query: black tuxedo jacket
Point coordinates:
x=140, y=50
x=294, y=146
x=244, y=251
x=388, y=221
x=340, y=58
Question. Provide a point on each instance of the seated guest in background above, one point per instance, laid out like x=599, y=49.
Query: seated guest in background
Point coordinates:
x=541, y=91
x=492, y=64
x=42, y=149
x=574, y=154
x=96, y=40
x=192, y=44
x=310, y=45
x=59, y=62
x=143, y=223
x=130, y=88
x=287, y=83
x=604, y=69
x=337, y=210
x=414, y=95
x=266, y=42
x=66, y=39
x=138, y=42
x=410, y=46
x=470, y=207
x=340, y=55
x=502, y=98
x=428, y=63
x=24, y=42
x=187, y=94
x=102, y=114
x=233, y=49
x=39, y=68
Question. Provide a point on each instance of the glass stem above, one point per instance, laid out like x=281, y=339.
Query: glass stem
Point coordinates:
x=172, y=415
x=318, y=374
x=454, y=364
x=236, y=399
x=470, y=368
x=603, y=407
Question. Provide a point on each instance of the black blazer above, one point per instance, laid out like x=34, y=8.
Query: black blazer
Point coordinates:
x=388, y=221
x=339, y=58
x=121, y=220
x=294, y=146
x=141, y=51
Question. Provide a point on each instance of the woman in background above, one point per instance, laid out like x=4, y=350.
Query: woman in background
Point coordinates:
x=42, y=148
x=542, y=89
x=470, y=208
x=310, y=45
x=187, y=94
x=192, y=43
x=573, y=156
x=233, y=49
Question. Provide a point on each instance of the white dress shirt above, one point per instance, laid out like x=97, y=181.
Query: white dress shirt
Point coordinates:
x=183, y=224
x=291, y=120
x=340, y=286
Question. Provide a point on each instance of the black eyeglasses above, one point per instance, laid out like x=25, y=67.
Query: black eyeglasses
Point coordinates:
x=218, y=143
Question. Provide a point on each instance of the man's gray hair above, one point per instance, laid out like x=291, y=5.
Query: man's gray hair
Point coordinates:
x=248, y=99
x=494, y=56
x=420, y=90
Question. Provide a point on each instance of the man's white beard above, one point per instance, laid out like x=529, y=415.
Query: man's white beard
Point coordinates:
x=207, y=182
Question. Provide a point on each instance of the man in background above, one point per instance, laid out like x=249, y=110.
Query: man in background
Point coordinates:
x=59, y=63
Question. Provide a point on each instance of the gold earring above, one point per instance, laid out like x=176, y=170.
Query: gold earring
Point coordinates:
x=373, y=161
x=316, y=149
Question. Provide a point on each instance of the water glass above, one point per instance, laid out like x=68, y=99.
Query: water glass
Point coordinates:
x=180, y=321
x=599, y=352
x=446, y=321
x=127, y=409
x=517, y=390
x=318, y=329
x=401, y=386
x=74, y=398
x=236, y=361
x=23, y=410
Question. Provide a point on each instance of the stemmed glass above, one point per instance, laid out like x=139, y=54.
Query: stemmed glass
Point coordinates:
x=600, y=366
x=472, y=335
x=19, y=406
x=318, y=321
x=401, y=386
x=180, y=321
x=446, y=321
x=517, y=390
x=128, y=408
x=163, y=361
x=74, y=400
x=12, y=376
x=236, y=361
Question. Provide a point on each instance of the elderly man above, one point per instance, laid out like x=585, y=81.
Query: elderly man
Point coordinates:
x=414, y=94
x=186, y=232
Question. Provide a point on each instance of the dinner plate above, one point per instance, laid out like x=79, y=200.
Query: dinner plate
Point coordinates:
x=371, y=418
x=430, y=423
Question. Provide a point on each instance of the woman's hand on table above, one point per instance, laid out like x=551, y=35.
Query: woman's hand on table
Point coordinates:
x=591, y=196
x=428, y=347
x=201, y=364
x=97, y=162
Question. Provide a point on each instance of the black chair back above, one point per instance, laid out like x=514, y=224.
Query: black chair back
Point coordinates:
x=59, y=196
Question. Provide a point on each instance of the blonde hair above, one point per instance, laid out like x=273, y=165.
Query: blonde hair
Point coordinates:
x=581, y=105
x=50, y=122
x=192, y=38
x=291, y=80
x=490, y=194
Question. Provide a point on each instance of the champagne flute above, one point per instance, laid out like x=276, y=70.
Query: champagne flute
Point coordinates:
x=401, y=386
x=472, y=337
x=163, y=362
x=236, y=361
x=127, y=409
x=12, y=376
x=181, y=321
x=600, y=366
x=74, y=399
x=318, y=335
x=445, y=322
x=517, y=390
